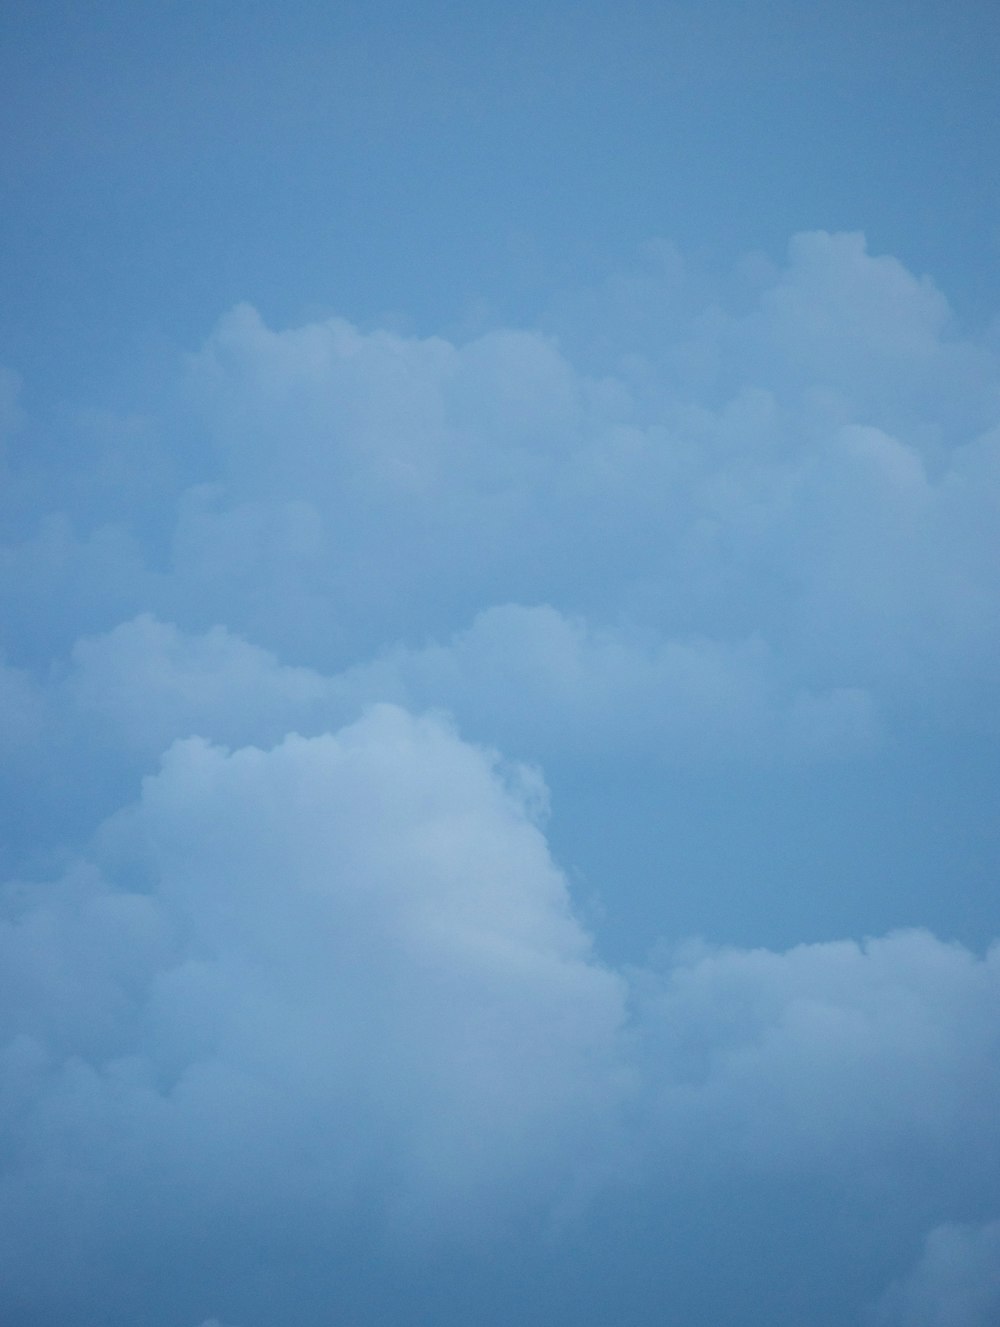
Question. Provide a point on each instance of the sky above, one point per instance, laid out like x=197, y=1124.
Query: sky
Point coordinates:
x=499, y=624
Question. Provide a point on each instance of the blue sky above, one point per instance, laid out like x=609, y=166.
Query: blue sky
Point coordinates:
x=164, y=162
x=499, y=600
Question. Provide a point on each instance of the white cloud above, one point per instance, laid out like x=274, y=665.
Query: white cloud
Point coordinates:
x=154, y=684
x=342, y=979
x=352, y=975
x=829, y=487
x=830, y=1056
x=812, y=493
x=324, y=977
x=534, y=679
x=529, y=680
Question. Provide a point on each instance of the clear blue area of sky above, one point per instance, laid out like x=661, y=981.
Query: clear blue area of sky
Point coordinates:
x=161, y=162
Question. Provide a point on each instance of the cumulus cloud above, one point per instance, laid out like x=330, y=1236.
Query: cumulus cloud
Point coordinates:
x=539, y=680
x=818, y=490
x=289, y=965
x=344, y=969
x=828, y=486
x=342, y=980
x=155, y=683
x=524, y=678
x=829, y=1055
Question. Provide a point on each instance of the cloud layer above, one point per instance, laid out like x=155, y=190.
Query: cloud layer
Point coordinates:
x=296, y=996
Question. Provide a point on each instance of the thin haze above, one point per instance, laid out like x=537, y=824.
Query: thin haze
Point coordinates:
x=499, y=637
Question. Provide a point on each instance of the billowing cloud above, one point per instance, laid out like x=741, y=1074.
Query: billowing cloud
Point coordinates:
x=297, y=997
x=762, y=498
x=829, y=486
x=153, y=683
x=346, y=967
x=831, y=1054
x=826, y=483
x=535, y=679
x=341, y=980
x=524, y=678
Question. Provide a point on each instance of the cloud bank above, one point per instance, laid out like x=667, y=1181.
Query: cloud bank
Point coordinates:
x=343, y=979
x=297, y=997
